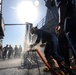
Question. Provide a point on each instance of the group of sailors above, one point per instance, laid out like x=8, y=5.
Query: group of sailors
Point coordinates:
x=9, y=52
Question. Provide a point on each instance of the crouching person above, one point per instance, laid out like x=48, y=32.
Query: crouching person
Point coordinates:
x=51, y=47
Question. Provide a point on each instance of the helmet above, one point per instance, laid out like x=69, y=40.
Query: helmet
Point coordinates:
x=32, y=30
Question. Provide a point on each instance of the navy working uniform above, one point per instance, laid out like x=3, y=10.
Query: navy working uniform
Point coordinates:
x=51, y=48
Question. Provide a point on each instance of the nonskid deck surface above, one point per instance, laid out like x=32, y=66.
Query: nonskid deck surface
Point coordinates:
x=33, y=65
x=38, y=61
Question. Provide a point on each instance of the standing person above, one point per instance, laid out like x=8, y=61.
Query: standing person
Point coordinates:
x=20, y=50
x=5, y=49
x=1, y=50
x=51, y=48
x=64, y=50
x=67, y=11
x=16, y=51
x=10, y=52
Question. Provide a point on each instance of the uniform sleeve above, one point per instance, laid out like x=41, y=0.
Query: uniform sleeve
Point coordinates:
x=38, y=38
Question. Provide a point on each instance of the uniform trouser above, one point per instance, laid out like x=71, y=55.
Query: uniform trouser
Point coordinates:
x=47, y=52
x=64, y=51
x=50, y=51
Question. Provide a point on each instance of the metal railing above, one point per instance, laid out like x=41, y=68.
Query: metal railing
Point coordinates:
x=46, y=19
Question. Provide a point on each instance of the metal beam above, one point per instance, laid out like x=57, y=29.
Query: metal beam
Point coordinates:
x=13, y=24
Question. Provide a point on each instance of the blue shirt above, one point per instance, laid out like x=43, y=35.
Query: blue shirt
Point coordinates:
x=49, y=37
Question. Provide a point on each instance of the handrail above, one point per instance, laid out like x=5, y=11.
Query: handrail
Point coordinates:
x=45, y=20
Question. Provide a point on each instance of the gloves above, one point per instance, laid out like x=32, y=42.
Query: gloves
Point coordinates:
x=62, y=63
x=32, y=45
x=42, y=45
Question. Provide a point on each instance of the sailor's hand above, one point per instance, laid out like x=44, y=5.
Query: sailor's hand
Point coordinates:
x=62, y=63
x=42, y=45
x=32, y=45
